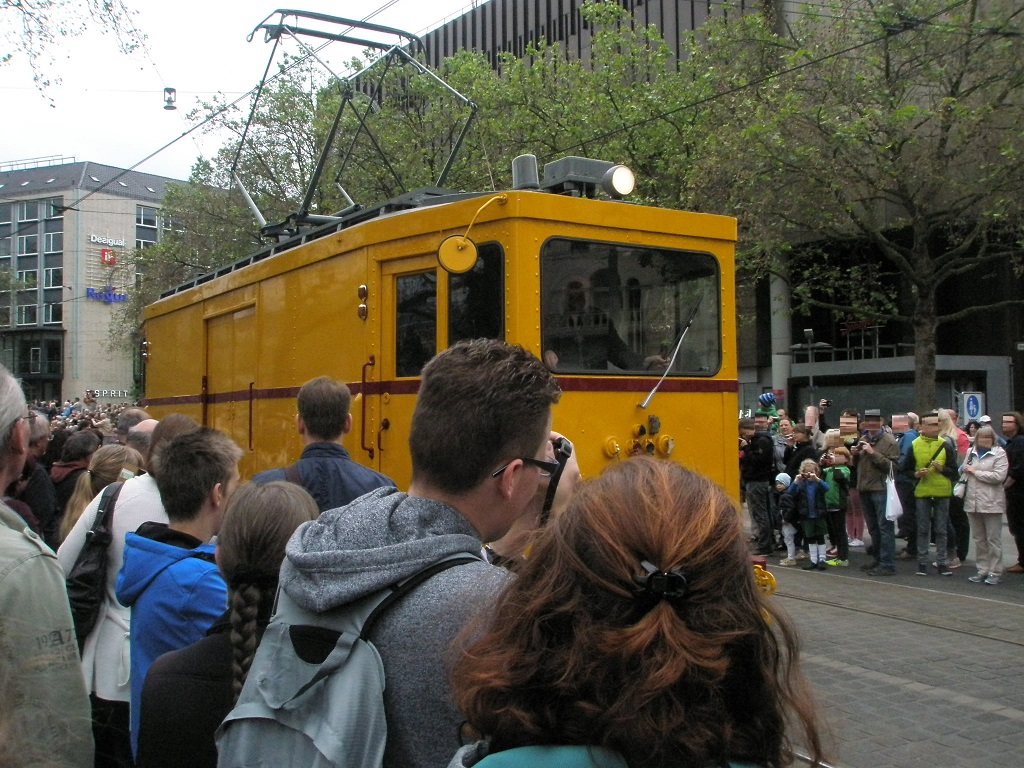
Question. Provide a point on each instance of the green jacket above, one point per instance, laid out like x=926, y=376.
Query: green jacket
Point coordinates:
x=50, y=717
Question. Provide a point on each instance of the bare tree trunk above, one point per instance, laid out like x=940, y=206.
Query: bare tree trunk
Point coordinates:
x=924, y=349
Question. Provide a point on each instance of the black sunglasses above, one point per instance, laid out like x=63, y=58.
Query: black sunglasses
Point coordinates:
x=547, y=468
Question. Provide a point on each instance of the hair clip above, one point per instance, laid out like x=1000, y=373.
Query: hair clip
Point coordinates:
x=658, y=585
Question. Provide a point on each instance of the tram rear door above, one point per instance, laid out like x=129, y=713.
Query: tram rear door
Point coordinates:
x=231, y=379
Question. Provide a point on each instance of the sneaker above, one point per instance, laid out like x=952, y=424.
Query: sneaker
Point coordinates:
x=835, y=562
x=880, y=571
x=860, y=543
x=953, y=563
x=905, y=555
x=869, y=566
x=922, y=570
x=1015, y=568
x=832, y=551
x=789, y=561
x=811, y=567
x=822, y=566
x=944, y=570
x=978, y=578
x=801, y=555
x=992, y=579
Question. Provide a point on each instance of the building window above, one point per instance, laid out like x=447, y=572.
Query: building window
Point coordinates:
x=53, y=313
x=27, y=314
x=5, y=213
x=5, y=246
x=28, y=278
x=140, y=244
x=53, y=277
x=53, y=242
x=145, y=216
x=54, y=208
x=5, y=316
x=28, y=244
x=28, y=210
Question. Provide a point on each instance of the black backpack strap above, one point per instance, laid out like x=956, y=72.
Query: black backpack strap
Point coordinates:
x=105, y=510
x=400, y=590
x=291, y=474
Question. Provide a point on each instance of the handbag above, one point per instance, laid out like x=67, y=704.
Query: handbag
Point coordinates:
x=960, y=488
x=893, y=507
x=86, y=583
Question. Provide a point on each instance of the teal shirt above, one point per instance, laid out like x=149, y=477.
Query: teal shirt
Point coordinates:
x=564, y=756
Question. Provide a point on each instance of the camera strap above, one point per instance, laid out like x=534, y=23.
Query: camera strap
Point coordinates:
x=563, y=450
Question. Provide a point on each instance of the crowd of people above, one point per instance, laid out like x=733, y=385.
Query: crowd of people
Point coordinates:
x=623, y=626
x=812, y=490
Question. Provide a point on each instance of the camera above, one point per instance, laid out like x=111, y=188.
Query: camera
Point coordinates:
x=827, y=403
x=851, y=442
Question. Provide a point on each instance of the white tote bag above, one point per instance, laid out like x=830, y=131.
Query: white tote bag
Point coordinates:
x=893, y=508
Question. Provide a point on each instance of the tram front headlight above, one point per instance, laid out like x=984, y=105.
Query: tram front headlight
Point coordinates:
x=618, y=181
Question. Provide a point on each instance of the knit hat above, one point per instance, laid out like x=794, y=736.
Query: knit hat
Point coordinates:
x=767, y=399
x=783, y=478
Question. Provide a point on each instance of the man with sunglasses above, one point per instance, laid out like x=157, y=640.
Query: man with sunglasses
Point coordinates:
x=47, y=708
x=482, y=458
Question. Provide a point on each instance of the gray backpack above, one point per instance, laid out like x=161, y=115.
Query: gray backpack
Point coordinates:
x=302, y=705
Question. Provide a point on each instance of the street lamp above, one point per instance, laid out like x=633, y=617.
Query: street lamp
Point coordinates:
x=809, y=335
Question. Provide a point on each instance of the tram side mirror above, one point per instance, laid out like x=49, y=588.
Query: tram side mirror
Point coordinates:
x=457, y=254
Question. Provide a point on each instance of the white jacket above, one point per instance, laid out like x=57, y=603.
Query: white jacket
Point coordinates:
x=106, y=660
x=985, y=486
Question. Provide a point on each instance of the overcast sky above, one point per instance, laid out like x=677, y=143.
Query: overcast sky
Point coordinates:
x=108, y=107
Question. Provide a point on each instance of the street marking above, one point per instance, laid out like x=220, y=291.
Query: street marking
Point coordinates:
x=943, y=694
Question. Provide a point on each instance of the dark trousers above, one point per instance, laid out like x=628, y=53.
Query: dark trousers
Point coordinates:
x=961, y=527
x=110, y=731
x=836, y=520
x=1015, y=521
x=908, y=523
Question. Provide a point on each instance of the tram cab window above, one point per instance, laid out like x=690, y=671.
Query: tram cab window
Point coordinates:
x=476, y=298
x=608, y=308
x=475, y=309
x=416, y=322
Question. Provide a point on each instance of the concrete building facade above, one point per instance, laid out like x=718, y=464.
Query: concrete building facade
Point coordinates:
x=66, y=229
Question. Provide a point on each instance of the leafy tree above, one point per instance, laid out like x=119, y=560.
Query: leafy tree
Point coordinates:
x=33, y=28
x=889, y=134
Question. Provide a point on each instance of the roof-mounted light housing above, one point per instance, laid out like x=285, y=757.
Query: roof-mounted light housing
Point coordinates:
x=583, y=177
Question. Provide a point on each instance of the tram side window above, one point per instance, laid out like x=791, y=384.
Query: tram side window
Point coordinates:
x=416, y=322
x=476, y=299
x=609, y=308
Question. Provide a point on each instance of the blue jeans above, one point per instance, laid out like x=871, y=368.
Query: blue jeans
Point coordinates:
x=932, y=511
x=873, y=504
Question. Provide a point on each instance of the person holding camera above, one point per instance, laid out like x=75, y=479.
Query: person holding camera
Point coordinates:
x=808, y=491
x=875, y=455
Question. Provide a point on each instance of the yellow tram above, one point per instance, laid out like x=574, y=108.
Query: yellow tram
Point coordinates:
x=619, y=299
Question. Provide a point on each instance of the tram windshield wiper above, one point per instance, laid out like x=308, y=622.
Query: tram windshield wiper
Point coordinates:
x=675, y=351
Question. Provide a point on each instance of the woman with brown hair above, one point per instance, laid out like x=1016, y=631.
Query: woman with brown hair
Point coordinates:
x=635, y=636
x=187, y=693
x=109, y=464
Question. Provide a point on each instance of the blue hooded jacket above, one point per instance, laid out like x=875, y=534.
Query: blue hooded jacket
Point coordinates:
x=175, y=591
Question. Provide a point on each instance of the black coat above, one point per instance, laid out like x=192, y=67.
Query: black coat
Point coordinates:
x=186, y=695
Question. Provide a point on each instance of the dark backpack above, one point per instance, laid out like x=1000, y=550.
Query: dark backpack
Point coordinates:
x=87, y=581
x=318, y=712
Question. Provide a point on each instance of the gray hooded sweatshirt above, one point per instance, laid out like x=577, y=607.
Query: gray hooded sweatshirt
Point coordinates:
x=376, y=541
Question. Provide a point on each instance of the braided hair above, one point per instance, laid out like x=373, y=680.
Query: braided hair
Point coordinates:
x=258, y=522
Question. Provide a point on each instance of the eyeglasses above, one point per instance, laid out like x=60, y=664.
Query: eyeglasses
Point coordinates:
x=30, y=417
x=547, y=468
